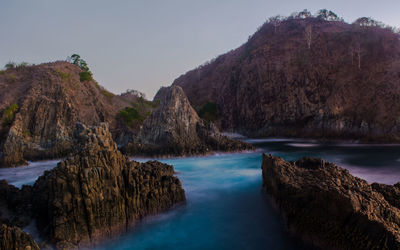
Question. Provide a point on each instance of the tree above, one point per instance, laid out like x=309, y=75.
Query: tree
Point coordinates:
x=328, y=15
x=304, y=14
x=276, y=21
x=74, y=59
x=367, y=22
x=10, y=65
x=308, y=35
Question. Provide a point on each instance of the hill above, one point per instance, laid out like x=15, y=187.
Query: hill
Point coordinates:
x=305, y=76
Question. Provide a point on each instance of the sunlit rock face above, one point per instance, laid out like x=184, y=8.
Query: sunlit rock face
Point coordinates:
x=330, y=208
x=96, y=193
x=175, y=128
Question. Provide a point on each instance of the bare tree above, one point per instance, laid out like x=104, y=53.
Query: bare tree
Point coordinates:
x=276, y=21
x=304, y=14
x=308, y=35
x=358, y=51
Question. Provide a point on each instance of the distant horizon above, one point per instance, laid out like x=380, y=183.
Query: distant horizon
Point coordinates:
x=144, y=46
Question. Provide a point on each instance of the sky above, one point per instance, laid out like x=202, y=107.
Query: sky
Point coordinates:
x=146, y=44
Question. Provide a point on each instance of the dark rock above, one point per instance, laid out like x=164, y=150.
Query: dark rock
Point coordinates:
x=174, y=128
x=12, y=238
x=96, y=193
x=328, y=207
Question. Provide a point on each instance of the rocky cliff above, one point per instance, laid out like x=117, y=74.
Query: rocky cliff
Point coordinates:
x=305, y=77
x=328, y=207
x=39, y=106
x=12, y=238
x=174, y=128
x=94, y=194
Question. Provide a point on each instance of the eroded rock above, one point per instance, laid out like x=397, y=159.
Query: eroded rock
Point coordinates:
x=175, y=128
x=328, y=207
x=96, y=193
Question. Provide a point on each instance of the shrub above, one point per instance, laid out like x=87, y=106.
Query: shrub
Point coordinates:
x=128, y=115
x=11, y=78
x=209, y=112
x=85, y=76
x=9, y=113
x=22, y=65
x=10, y=65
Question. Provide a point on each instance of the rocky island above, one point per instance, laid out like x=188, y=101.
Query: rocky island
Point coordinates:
x=94, y=194
x=329, y=208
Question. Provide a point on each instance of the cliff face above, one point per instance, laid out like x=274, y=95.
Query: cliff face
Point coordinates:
x=330, y=208
x=95, y=194
x=175, y=128
x=12, y=238
x=345, y=85
x=40, y=105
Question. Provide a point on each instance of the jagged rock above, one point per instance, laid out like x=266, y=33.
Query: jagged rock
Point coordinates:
x=329, y=208
x=175, y=128
x=94, y=194
x=12, y=238
x=49, y=99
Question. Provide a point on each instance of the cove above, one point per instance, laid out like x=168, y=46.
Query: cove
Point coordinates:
x=225, y=207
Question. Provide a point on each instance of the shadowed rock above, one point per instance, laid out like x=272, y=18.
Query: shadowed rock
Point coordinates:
x=96, y=193
x=175, y=128
x=328, y=207
x=12, y=238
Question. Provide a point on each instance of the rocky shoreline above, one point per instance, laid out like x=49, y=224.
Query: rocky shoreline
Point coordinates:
x=329, y=208
x=93, y=195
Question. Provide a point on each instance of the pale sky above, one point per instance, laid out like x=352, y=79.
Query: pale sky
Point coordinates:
x=147, y=44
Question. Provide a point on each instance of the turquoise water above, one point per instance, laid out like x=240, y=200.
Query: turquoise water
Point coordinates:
x=226, y=208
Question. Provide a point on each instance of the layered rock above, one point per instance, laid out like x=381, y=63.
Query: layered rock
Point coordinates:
x=174, y=128
x=96, y=193
x=329, y=208
x=39, y=106
x=12, y=238
x=275, y=85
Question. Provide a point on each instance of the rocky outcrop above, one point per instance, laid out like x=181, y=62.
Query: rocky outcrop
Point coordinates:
x=94, y=194
x=275, y=85
x=40, y=105
x=174, y=128
x=12, y=238
x=329, y=208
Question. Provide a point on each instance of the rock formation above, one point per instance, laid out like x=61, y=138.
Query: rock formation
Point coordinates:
x=275, y=85
x=39, y=106
x=12, y=238
x=174, y=128
x=95, y=194
x=329, y=208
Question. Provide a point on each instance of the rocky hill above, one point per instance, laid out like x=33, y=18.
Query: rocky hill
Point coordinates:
x=328, y=207
x=174, y=128
x=305, y=76
x=40, y=105
x=94, y=194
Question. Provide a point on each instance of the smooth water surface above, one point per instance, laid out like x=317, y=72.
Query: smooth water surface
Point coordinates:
x=226, y=208
x=26, y=175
